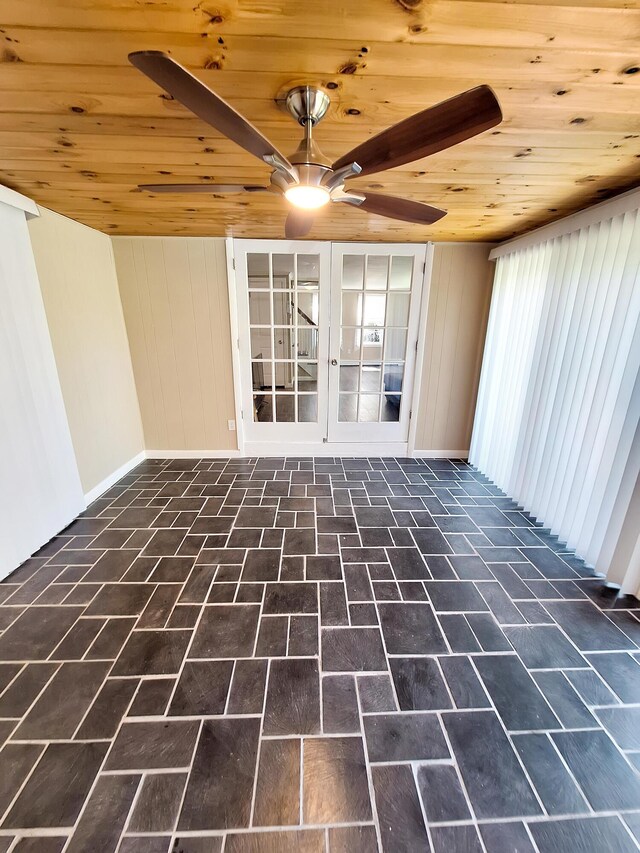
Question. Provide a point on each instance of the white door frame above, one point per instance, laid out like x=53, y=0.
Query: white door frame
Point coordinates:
x=235, y=342
x=422, y=343
x=324, y=448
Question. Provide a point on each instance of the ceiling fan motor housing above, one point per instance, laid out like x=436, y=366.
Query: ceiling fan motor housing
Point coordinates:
x=307, y=104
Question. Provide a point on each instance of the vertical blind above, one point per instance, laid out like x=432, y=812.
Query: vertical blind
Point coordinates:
x=559, y=400
x=40, y=490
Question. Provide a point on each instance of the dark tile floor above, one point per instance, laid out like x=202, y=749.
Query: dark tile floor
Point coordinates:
x=329, y=655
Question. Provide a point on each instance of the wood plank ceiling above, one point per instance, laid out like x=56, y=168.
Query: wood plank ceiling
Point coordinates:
x=80, y=128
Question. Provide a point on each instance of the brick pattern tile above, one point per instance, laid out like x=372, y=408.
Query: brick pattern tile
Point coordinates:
x=315, y=655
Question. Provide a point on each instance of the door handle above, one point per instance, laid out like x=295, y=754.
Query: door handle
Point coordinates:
x=334, y=362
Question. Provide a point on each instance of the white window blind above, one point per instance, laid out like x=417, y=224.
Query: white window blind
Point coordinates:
x=559, y=399
x=40, y=490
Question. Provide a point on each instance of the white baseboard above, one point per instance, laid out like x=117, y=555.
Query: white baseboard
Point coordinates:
x=192, y=454
x=338, y=448
x=342, y=448
x=116, y=475
x=440, y=454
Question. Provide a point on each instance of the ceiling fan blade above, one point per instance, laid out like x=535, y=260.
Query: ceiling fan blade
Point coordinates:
x=203, y=188
x=197, y=97
x=298, y=224
x=427, y=132
x=400, y=208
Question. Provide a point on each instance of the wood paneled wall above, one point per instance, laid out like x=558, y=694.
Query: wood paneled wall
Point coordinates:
x=176, y=308
x=80, y=291
x=458, y=307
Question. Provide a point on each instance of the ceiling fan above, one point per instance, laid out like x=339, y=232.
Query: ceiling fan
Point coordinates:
x=308, y=179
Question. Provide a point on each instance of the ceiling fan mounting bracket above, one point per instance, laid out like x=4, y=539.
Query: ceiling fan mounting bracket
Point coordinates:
x=307, y=104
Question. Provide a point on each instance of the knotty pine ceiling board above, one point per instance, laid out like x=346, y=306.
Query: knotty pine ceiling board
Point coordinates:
x=80, y=127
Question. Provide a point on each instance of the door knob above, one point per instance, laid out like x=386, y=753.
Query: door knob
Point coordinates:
x=334, y=361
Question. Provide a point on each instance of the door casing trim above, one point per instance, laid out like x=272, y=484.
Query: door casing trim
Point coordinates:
x=422, y=338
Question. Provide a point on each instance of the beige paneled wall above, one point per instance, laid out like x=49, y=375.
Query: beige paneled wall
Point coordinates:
x=175, y=300
x=80, y=292
x=458, y=306
x=176, y=308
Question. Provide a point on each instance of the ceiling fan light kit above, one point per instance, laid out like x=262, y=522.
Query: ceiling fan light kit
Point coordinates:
x=307, y=196
x=307, y=179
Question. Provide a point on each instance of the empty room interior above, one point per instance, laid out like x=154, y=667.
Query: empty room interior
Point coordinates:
x=320, y=426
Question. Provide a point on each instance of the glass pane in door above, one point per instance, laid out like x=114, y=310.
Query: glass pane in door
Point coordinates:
x=307, y=408
x=353, y=272
x=282, y=308
x=377, y=268
x=261, y=343
x=401, y=273
x=285, y=408
x=349, y=377
x=348, y=408
x=284, y=321
x=283, y=269
x=307, y=376
x=258, y=270
x=307, y=270
x=259, y=309
x=307, y=307
x=370, y=380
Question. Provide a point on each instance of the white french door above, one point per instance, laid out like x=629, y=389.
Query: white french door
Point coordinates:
x=375, y=307
x=283, y=317
x=327, y=335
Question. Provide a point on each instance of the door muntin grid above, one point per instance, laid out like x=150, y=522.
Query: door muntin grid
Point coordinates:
x=374, y=324
x=284, y=327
